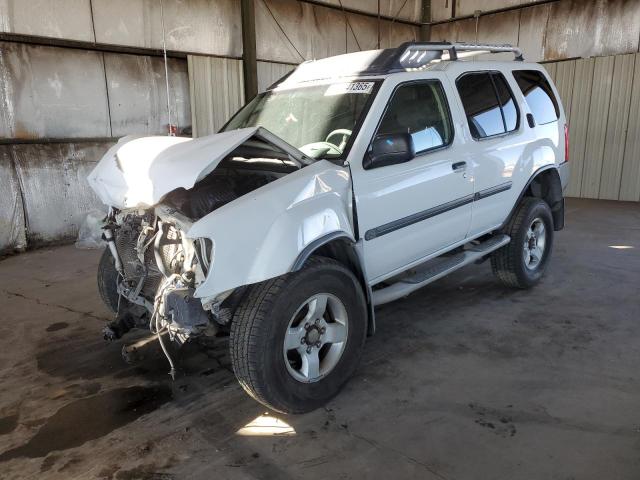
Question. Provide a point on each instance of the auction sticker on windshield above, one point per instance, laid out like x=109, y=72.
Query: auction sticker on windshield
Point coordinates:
x=351, y=87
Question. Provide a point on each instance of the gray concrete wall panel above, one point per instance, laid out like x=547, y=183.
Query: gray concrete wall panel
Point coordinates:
x=579, y=28
x=199, y=26
x=67, y=19
x=441, y=10
x=56, y=193
x=468, y=7
x=533, y=23
x=314, y=31
x=393, y=34
x=317, y=32
x=12, y=226
x=499, y=28
x=365, y=30
x=138, y=95
x=553, y=31
x=409, y=10
x=51, y=92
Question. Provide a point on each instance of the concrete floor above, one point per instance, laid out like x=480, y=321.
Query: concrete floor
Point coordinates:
x=464, y=380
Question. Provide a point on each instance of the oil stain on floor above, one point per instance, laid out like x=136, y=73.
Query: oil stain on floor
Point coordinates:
x=97, y=416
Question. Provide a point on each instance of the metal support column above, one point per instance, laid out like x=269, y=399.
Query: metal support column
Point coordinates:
x=425, y=28
x=249, y=60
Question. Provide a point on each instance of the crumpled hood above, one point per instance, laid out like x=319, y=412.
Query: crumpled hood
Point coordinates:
x=139, y=171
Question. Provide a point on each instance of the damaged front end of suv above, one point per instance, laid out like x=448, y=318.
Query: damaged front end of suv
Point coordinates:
x=191, y=223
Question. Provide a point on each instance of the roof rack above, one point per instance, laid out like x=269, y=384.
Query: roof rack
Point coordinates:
x=407, y=57
x=415, y=55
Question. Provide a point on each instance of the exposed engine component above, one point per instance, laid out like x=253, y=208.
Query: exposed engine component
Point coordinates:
x=158, y=266
x=183, y=314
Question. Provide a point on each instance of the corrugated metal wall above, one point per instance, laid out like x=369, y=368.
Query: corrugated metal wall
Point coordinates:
x=217, y=92
x=269, y=72
x=601, y=97
x=289, y=32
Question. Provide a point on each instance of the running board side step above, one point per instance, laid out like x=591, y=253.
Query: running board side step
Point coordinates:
x=430, y=273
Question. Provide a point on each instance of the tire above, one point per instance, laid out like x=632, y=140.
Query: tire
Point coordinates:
x=108, y=281
x=270, y=372
x=513, y=266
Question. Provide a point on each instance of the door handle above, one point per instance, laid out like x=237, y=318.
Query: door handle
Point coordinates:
x=458, y=166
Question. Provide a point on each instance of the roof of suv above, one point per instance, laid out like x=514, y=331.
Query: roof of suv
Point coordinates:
x=408, y=57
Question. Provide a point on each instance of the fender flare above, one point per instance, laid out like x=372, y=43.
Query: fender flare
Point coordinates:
x=356, y=257
x=304, y=255
x=557, y=211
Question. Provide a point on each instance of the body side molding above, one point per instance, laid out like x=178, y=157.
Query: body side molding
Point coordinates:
x=432, y=212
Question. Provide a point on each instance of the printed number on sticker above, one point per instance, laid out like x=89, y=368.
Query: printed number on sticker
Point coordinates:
x=344, y=88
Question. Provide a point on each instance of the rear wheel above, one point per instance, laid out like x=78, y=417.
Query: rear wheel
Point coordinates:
x=296, y=339
x=522, y=262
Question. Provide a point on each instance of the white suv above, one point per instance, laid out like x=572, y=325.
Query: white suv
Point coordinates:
x=350, y=183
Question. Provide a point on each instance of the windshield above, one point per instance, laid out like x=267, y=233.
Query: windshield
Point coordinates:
x=317, y=120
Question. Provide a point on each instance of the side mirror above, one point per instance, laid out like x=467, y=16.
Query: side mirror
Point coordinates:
x=389, y=149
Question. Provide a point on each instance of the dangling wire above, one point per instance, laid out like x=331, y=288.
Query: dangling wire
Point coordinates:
x=166, y=69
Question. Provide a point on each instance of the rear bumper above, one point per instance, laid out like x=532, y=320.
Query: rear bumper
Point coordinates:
x=564, y=171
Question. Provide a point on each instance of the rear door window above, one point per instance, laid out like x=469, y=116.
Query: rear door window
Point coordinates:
x=539, y=96
x=488, y=104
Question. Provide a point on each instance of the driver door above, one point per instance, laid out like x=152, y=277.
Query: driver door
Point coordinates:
x=411, y=210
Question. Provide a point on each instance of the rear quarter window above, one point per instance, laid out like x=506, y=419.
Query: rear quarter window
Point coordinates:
x=538, y=94
x=488, y=104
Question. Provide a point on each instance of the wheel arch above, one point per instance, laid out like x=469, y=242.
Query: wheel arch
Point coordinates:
x=340, y=247
x=545, y=183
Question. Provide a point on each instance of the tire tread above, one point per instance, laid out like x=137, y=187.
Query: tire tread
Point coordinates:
x=245, y=345
x=503, y=261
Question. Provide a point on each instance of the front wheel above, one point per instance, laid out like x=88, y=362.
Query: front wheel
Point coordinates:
x=108, y=281
x=522, y=262
x=296, y=339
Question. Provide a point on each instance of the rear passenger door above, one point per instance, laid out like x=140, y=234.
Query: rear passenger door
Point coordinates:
x=410, y=210
x=495, y=149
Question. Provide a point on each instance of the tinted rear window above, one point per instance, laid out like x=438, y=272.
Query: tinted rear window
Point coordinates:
x=506, y=102
x=488, y=104
x=539, y=96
